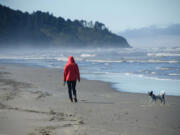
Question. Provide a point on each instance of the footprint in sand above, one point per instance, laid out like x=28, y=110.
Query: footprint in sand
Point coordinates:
x=44, y=131
x=41, y=94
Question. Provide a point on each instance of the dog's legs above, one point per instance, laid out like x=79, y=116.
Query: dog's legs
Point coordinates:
x=155, y=100
x=164, y=101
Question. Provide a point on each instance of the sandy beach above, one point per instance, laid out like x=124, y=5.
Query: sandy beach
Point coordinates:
x=33, y=101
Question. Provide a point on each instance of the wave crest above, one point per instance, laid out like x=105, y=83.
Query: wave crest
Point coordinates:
x=87, y=55
x=163, y=54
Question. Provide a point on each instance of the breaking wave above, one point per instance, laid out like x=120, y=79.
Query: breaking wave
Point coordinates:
x=135, y=61
x=163, y=54
x=87, y=55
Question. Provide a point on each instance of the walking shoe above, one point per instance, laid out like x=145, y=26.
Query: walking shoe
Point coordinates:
x=75, y=99
x=71, y=99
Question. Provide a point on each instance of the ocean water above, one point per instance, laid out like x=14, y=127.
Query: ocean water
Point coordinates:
x=134, y=70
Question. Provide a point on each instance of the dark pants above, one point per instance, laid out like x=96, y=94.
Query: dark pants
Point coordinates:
x=71, y=88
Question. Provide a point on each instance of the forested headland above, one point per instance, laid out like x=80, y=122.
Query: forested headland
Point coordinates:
x=43, y=29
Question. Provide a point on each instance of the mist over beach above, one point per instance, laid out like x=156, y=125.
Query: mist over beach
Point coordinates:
x=124, y=49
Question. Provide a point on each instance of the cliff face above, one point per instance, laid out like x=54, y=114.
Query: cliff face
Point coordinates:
x=42, y=29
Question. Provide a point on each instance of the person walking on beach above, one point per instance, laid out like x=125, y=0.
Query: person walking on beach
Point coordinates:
x=71, y=75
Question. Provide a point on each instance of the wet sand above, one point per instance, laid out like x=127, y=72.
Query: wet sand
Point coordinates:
x=33, y=101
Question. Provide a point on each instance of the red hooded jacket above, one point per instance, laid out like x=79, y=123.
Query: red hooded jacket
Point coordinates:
x=71, y=70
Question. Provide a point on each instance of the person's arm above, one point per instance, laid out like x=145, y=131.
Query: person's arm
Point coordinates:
x=78, y=73
x=65, y=72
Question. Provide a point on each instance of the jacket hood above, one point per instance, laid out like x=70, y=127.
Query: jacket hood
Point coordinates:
x=71, y=59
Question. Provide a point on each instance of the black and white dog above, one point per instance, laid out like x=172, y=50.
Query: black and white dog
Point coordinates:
x=160, y=97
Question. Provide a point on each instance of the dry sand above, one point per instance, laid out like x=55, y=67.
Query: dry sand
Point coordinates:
x=34, y=102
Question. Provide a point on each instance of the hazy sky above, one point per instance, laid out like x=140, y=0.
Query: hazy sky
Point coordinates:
x=117, y=15
x=154, y=36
